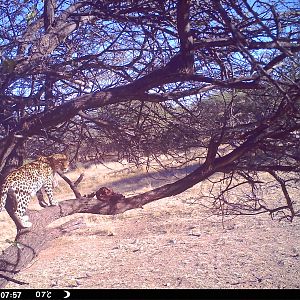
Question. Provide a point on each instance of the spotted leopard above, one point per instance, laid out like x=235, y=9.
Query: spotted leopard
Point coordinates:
x=26, y=181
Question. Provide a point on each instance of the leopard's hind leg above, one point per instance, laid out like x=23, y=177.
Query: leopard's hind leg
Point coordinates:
x=23, y=200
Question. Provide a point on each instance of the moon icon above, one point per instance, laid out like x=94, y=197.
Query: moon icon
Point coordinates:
x=68, y=294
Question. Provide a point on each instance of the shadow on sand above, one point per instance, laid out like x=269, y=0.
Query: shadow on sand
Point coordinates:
x=152, y=179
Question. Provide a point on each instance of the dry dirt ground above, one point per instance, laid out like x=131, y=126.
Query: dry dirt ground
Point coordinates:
x=171, y=243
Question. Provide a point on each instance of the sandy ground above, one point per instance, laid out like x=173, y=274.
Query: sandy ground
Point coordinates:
x=171, y=243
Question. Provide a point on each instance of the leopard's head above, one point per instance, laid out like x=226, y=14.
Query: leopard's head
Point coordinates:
x=59, y=162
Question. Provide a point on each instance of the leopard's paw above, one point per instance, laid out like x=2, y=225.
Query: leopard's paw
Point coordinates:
x=25, y=218
x=26, y=224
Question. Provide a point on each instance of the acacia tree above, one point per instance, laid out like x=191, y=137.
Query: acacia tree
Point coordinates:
x=216, y=81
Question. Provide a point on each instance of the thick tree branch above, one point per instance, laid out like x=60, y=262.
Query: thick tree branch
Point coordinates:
x=183, y=25
x=49, y=11
x=72, y=185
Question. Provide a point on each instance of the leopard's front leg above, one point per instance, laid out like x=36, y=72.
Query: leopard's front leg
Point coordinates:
x=49, y=192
